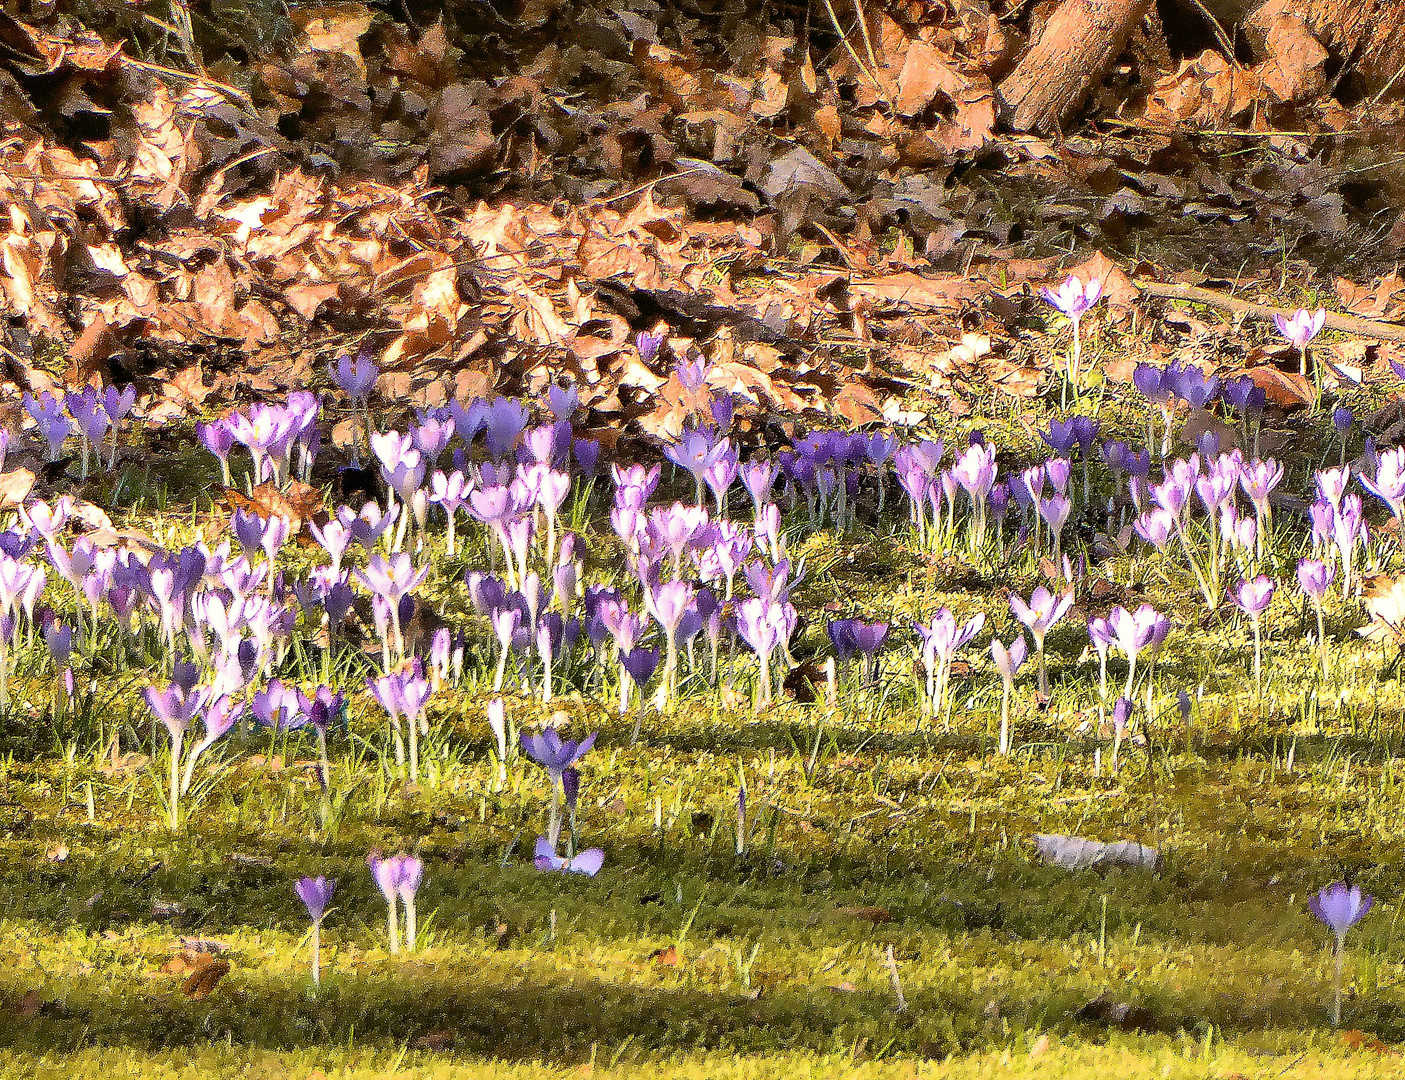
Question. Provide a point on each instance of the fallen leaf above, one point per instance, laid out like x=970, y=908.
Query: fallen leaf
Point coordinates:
x=298, y=503
x=15, y=487
x=437, y=1041
x=1286, y=389
x=666, y=957
x=57, y=853
x=1357, y=1040
x=202, y=981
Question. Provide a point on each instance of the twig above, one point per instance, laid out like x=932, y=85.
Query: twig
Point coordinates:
x=1217, y=30
x=1350, y=324
x=891, y=964
x=849, y=48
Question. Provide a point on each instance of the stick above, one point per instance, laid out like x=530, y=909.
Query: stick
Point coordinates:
x=891, y=964
x=1350, y=324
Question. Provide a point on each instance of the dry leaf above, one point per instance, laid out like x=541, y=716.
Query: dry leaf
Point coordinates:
x=202, y=981
x=299, y=502
x=57, y=853
x=666, y=957
x=15, y=487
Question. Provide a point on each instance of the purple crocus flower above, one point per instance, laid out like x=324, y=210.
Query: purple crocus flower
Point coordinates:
x=316, y=894
x=587, y=454
x=1041, y=614
x=1194, y=387
x=1008, y=662
x=553, y=753
x=587, y=862
x=1060, y=437
x=1301, y=326
x=1389, y=482
x=1253, y=596
x=640, y=664
x=1074, y=298
x=1339, y=907
x=1243, y=394
x=355, y=377
x=648, y=345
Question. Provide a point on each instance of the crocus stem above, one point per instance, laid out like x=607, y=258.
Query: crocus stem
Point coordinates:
x=1043, y=672
x=324, y=769
x=174, y=808
x=410, y=924
x=316, y=954
x=414, y=722
x=1258, y=663
x=553, y=827
x=393, y=925
x=1337, y=984
x=1321, y=641
x=1005, y=718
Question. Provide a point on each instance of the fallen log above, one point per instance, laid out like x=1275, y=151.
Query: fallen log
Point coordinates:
x=1080, y=40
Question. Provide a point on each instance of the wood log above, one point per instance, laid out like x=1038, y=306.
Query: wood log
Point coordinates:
x=1080, y=40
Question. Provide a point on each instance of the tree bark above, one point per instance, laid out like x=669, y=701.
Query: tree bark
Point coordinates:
x=1079, y=41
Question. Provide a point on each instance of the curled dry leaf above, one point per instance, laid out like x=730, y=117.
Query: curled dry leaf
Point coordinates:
x=201, y=982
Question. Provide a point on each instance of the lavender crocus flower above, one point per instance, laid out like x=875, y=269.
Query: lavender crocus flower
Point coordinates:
x=975, y=472
x=1008, y=662
x=1315, y=578
x=1043, y=611
x=316, y=894
x=1339, y=907
x=1075, y=299
x=1389, y=482
x=1253, y=597
x=940, y=640
x=1300, y=328
x=555, y=755
x=587, y=862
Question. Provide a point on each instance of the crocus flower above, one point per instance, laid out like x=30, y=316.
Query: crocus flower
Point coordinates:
x=587, y=862
x=1253, y=597
x=1339, y=907
x=1300, y=328
x=1075, y=299
x=940, y=640
x=315, y=893
x=555, y=755
x=975, y=472
x=409, y=871
x=386, y=874
x=1389, y=482
x=1315, y=578
x=1042, y=612
x=1008, y=662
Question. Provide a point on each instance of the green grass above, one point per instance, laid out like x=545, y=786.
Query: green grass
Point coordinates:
x=903, y=835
